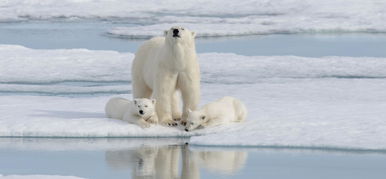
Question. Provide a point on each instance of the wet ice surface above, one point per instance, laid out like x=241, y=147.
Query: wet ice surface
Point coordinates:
x=167, y=158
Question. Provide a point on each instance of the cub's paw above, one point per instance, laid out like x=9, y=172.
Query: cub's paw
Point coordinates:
x=144, y=124
x=169, y=123
x=152, y=120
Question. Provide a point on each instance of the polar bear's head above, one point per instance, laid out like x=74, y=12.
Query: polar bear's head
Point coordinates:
x=177, y=34
x=144, y=107
x=195, y=120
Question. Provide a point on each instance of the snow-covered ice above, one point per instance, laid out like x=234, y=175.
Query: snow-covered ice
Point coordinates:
x=292, y=101
x=51, y=116
x=20, y=66
x=210, y=17
x=325, y=113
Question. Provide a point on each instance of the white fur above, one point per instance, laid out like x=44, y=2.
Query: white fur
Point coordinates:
x=224, y=110
x=123, y=109
x=163, y=66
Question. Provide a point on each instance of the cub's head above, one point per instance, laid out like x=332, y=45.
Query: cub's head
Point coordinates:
x=144, y=107
x=181, y=35
x=195, y=119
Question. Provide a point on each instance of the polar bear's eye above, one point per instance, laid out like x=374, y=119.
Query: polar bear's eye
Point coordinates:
x=182, y=29
x=145, y=106
x=139, y=106
x=191, y=123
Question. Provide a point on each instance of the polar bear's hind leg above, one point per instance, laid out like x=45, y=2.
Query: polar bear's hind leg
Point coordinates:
x=141, y=90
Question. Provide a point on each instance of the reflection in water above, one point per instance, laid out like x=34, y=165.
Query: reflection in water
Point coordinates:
x=163, y=161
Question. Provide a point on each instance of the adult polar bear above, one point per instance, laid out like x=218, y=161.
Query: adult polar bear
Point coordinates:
x=165, y=65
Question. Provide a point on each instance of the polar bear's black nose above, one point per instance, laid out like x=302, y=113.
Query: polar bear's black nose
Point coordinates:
x=187, y=130
x=175, y=32
x=140, y=112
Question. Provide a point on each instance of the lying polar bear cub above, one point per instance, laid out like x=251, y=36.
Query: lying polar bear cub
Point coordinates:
x=224, y=110
x=139, y=111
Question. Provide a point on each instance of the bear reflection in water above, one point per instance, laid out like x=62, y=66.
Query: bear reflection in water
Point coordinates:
x=163, y=162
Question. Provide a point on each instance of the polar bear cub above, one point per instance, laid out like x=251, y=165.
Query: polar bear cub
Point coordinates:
x=140, y=111
x=224, y=110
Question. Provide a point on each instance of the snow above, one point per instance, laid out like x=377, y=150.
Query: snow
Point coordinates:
x=324, y=113
x=20, y=64
x=37, y=177
x=210, y=17
x=52, y=116
x=292, y=101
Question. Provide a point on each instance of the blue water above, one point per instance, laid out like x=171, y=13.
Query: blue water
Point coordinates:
x=92, y=35
x=101, y=158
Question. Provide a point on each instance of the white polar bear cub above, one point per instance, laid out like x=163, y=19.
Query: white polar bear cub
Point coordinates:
x=165, y=65
x=139, y=111
x=224, y=110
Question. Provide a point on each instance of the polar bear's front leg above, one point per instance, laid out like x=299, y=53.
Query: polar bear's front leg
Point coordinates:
x=153, y=119
x=165, y=87
x=142, y=123
x=190, y=91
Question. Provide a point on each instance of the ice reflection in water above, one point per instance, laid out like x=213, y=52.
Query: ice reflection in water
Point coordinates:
x=163, y=161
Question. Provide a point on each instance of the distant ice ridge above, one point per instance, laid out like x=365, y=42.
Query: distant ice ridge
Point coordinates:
x=210, y=17
x=259, y=27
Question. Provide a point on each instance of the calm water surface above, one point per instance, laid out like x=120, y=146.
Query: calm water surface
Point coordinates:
x=92, y=35
x=171, y=158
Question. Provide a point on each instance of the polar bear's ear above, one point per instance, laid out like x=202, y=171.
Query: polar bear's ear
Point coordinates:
x=153, y=101
x=193, y=34
x=165, y=33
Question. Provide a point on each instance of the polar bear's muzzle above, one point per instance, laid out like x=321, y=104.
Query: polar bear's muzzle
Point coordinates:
x=176, y=33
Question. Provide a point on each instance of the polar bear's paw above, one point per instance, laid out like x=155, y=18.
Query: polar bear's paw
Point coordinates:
x=177, y=116
x=183, y=122
x=169, y=123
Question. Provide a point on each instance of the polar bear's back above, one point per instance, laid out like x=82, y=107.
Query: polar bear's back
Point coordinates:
x=150, y=47
x=116, y=107
x=230, y=108
x=240, y=110
x=148, y=51
x=145, y=64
